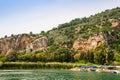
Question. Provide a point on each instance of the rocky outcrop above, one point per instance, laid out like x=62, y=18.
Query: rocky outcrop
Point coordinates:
x=80, y=44
x=38, y=44
x=10, y=44
x=103, y=37
x=94, y=41
x=115, y=23
x=22, y=42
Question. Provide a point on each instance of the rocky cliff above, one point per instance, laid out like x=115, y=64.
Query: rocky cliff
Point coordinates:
x=20, y=42
x=38, y=44
x=93, y=42
x=103, y=37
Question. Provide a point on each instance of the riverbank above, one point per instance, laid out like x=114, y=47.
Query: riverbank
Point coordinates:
x=47, y=65
x=104, y=69
x=38, y=65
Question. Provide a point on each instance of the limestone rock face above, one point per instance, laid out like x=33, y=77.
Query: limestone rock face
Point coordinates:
x=38, y=44
x=22, y=42
x=80, y=44
x=115, y=23
x=94, y=41
x=10, y=44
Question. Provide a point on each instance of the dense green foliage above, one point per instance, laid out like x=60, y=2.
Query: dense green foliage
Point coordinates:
x=61, y=40
x=99, y=55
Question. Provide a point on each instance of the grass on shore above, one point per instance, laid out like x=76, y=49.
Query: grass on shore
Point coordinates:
x=41, y=65
x=38, y=65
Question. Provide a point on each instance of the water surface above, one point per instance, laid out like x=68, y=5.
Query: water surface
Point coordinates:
x=55, y=75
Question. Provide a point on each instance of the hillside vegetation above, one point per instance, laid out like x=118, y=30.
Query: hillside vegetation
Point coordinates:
x=62, y=38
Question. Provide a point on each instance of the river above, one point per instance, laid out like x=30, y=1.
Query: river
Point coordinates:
x=49, y=74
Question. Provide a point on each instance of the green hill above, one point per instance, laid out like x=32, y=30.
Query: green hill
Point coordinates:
x=61, y=41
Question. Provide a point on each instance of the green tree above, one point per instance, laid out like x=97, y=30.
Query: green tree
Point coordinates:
x=90, y=56
x=117, y=57
x=5, y=36
x=27, y=57
x=41, y=57
x=100, y=54
x=109, y=56
x=77, y=57
x=31, y=33
x=64, y=55
x=12, y=57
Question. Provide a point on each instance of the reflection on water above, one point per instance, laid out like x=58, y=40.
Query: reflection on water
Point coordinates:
x=55, y=75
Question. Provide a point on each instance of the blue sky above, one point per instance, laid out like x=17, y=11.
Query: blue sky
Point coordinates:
x=23, y=16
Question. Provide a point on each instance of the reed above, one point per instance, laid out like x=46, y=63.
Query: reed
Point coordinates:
x=38, y=65
x=1, y=63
